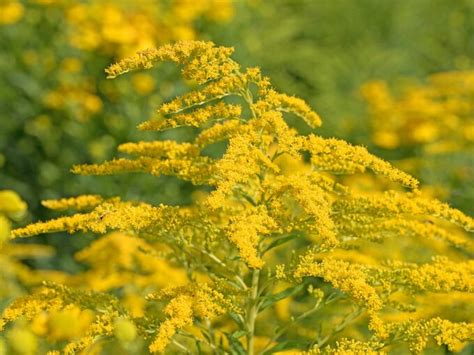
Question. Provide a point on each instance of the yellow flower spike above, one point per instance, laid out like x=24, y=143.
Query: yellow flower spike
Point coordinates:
x=282, y=102
x=337, y=156
x=349, y=347
x=161, y=149
x=245, y=230
x=344, y=276
x=181, y=53
x=112, y=214
x=219, y=132
x=180, y=314
x=200, y=116
x=187, y=302
x=78, y=203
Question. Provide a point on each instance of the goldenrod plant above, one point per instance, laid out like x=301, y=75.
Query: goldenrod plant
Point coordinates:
x=274, y=254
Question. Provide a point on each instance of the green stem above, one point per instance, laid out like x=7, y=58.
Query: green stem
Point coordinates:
x=252, y=312
x=315, y=308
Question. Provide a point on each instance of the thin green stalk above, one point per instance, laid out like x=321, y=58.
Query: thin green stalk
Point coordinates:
x=252, y=311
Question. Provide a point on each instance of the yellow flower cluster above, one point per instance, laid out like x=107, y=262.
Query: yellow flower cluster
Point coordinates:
x=199, y=117
x=83, y=202
x=350, y=279
x=186, y=303
x=110, y=214
x=181, y=53
x=245, y=232
x=111, y=29
x=284, y=103
x=437, y=115
x=62, y=305
x=339, y=157
x=372, y=286
x=121, y=28
x=349, y=347
x=417, y=333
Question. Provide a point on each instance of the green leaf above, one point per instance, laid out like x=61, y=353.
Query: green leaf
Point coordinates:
x=287, y=345
x=235, y=345
x=269, y=300
x=206, y=336
x=280, y=241
x=238, y=334
x=235, y=317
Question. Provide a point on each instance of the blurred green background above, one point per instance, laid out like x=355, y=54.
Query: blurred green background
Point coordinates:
x=57, y=109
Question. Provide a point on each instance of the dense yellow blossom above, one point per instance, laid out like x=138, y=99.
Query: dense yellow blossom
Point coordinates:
x=182, y=53
x=111, y=214
x=84, y=202
x=61, y=303
x=186, y=303
x=245, y=231
x=339, y=157
x=282, y=102
x=218, y=112
x=350, y=347
x=180, y=314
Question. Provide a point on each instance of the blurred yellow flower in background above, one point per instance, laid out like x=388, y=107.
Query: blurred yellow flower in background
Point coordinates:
x=438, y=116
x=123, y=27
x=11, y=11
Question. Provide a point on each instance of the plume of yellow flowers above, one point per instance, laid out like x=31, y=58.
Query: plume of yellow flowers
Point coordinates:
x=259, y=223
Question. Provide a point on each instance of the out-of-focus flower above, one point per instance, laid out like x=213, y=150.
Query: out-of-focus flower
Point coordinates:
x=121, y=28
x=437, y=116
x=11, y=11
